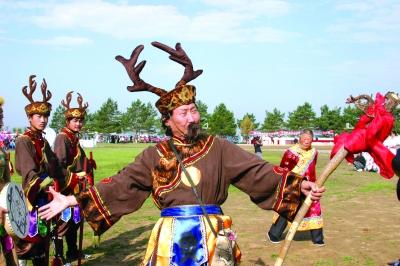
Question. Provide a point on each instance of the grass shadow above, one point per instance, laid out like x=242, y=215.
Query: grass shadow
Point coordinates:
x=126, y=248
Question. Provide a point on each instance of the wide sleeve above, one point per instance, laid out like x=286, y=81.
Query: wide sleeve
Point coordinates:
x=268, y=186
x=106, y=202
x=289, y=160
x=27, y=167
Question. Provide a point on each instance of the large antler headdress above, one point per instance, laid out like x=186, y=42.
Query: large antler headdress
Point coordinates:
x=182, y=94
x=42, y=107
x=78, y=112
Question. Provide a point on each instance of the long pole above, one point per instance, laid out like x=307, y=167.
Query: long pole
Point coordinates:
x=326, y=172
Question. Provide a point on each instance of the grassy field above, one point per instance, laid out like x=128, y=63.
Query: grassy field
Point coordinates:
x=360, y=213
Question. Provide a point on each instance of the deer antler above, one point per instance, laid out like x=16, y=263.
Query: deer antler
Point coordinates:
x=46, y=94
x=179, y=55
x=134, y=71
x=392, y=100
x=80, y=101
x=362, y=101
x=32, y=88
x=68, y=98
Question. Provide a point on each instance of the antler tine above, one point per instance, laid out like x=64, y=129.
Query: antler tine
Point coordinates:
x=392, y=101
x=134, y=72
x=80, y=101
x=32, y=88
x=68, y=98
x=179, y=55
x=363, y=106
x=46, y=93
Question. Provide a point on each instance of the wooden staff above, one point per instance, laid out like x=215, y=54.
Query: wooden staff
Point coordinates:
x=328, y=170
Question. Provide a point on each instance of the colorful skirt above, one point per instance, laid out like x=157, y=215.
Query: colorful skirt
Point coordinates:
x=182, y=236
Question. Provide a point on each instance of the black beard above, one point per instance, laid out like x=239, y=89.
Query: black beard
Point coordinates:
x=194, y=133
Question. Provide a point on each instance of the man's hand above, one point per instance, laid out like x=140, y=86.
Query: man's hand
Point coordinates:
x=57, y=205
x=316, y=192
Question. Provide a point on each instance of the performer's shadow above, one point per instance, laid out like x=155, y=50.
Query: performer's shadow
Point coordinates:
x=124, y=248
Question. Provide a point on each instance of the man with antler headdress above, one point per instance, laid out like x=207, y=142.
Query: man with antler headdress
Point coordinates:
x=39, y=168
x=188, y=177
x=73, y=160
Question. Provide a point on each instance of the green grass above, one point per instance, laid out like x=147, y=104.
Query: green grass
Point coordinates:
x=127, y=239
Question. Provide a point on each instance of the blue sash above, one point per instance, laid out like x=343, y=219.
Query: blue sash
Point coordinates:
x=190, y=210
x=189, y=243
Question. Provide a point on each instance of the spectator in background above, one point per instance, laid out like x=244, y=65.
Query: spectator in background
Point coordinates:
x=257, y=143
x=301, y=159
x=359, y=163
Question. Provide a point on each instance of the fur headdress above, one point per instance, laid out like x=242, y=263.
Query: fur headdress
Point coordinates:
x=43, y=107
x=78, y=112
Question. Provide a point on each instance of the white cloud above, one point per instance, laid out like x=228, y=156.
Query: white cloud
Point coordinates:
x=62, y=41
x=369, y=21
x=252, y=7
x=128, y=21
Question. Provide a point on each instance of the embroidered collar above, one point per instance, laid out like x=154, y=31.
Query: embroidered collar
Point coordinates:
x=34, y=134
x=74, y=136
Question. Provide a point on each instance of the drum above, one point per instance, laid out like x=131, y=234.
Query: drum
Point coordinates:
x=16, y=221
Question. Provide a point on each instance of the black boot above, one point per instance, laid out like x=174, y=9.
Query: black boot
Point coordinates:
x=71, y=239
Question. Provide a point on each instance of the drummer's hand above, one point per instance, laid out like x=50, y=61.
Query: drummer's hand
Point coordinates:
x=57, y=205
x=308, y=187
x=2, y=214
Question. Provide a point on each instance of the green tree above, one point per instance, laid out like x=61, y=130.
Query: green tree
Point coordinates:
x=140, y=117
x=131, y=119
x=330, y=119
x=58, y=119
x=151, y=121
x=301, y=118
x=350, y=116
x=273, y=120
x=107, y=119
x=204, y=115
x=222, y=122
x=89, y=125
x=247, y=124
x=396, y=114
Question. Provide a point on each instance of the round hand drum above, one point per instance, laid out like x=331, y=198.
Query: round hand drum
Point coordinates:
x=16, y=220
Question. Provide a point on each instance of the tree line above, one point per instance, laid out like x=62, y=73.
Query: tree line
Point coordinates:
x=142, y=117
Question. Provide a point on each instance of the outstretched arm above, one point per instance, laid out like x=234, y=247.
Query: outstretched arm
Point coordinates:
x=57, y=205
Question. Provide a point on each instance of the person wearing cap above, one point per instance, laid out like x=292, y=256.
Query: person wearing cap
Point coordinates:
x=39, y=168
x=7, y=251
x=301, y=158
x=72, y=159
x=183, y=235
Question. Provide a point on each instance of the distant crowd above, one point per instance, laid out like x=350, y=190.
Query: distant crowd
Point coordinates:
x=7, y=139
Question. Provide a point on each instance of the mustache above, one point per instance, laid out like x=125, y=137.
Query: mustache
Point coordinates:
x=193, y=133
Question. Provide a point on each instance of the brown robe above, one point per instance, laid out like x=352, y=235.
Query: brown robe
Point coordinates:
x=72, y=158
x=212, y=162
x=34, y=160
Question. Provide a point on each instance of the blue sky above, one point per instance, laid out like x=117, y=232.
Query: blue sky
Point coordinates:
x=256, y=55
